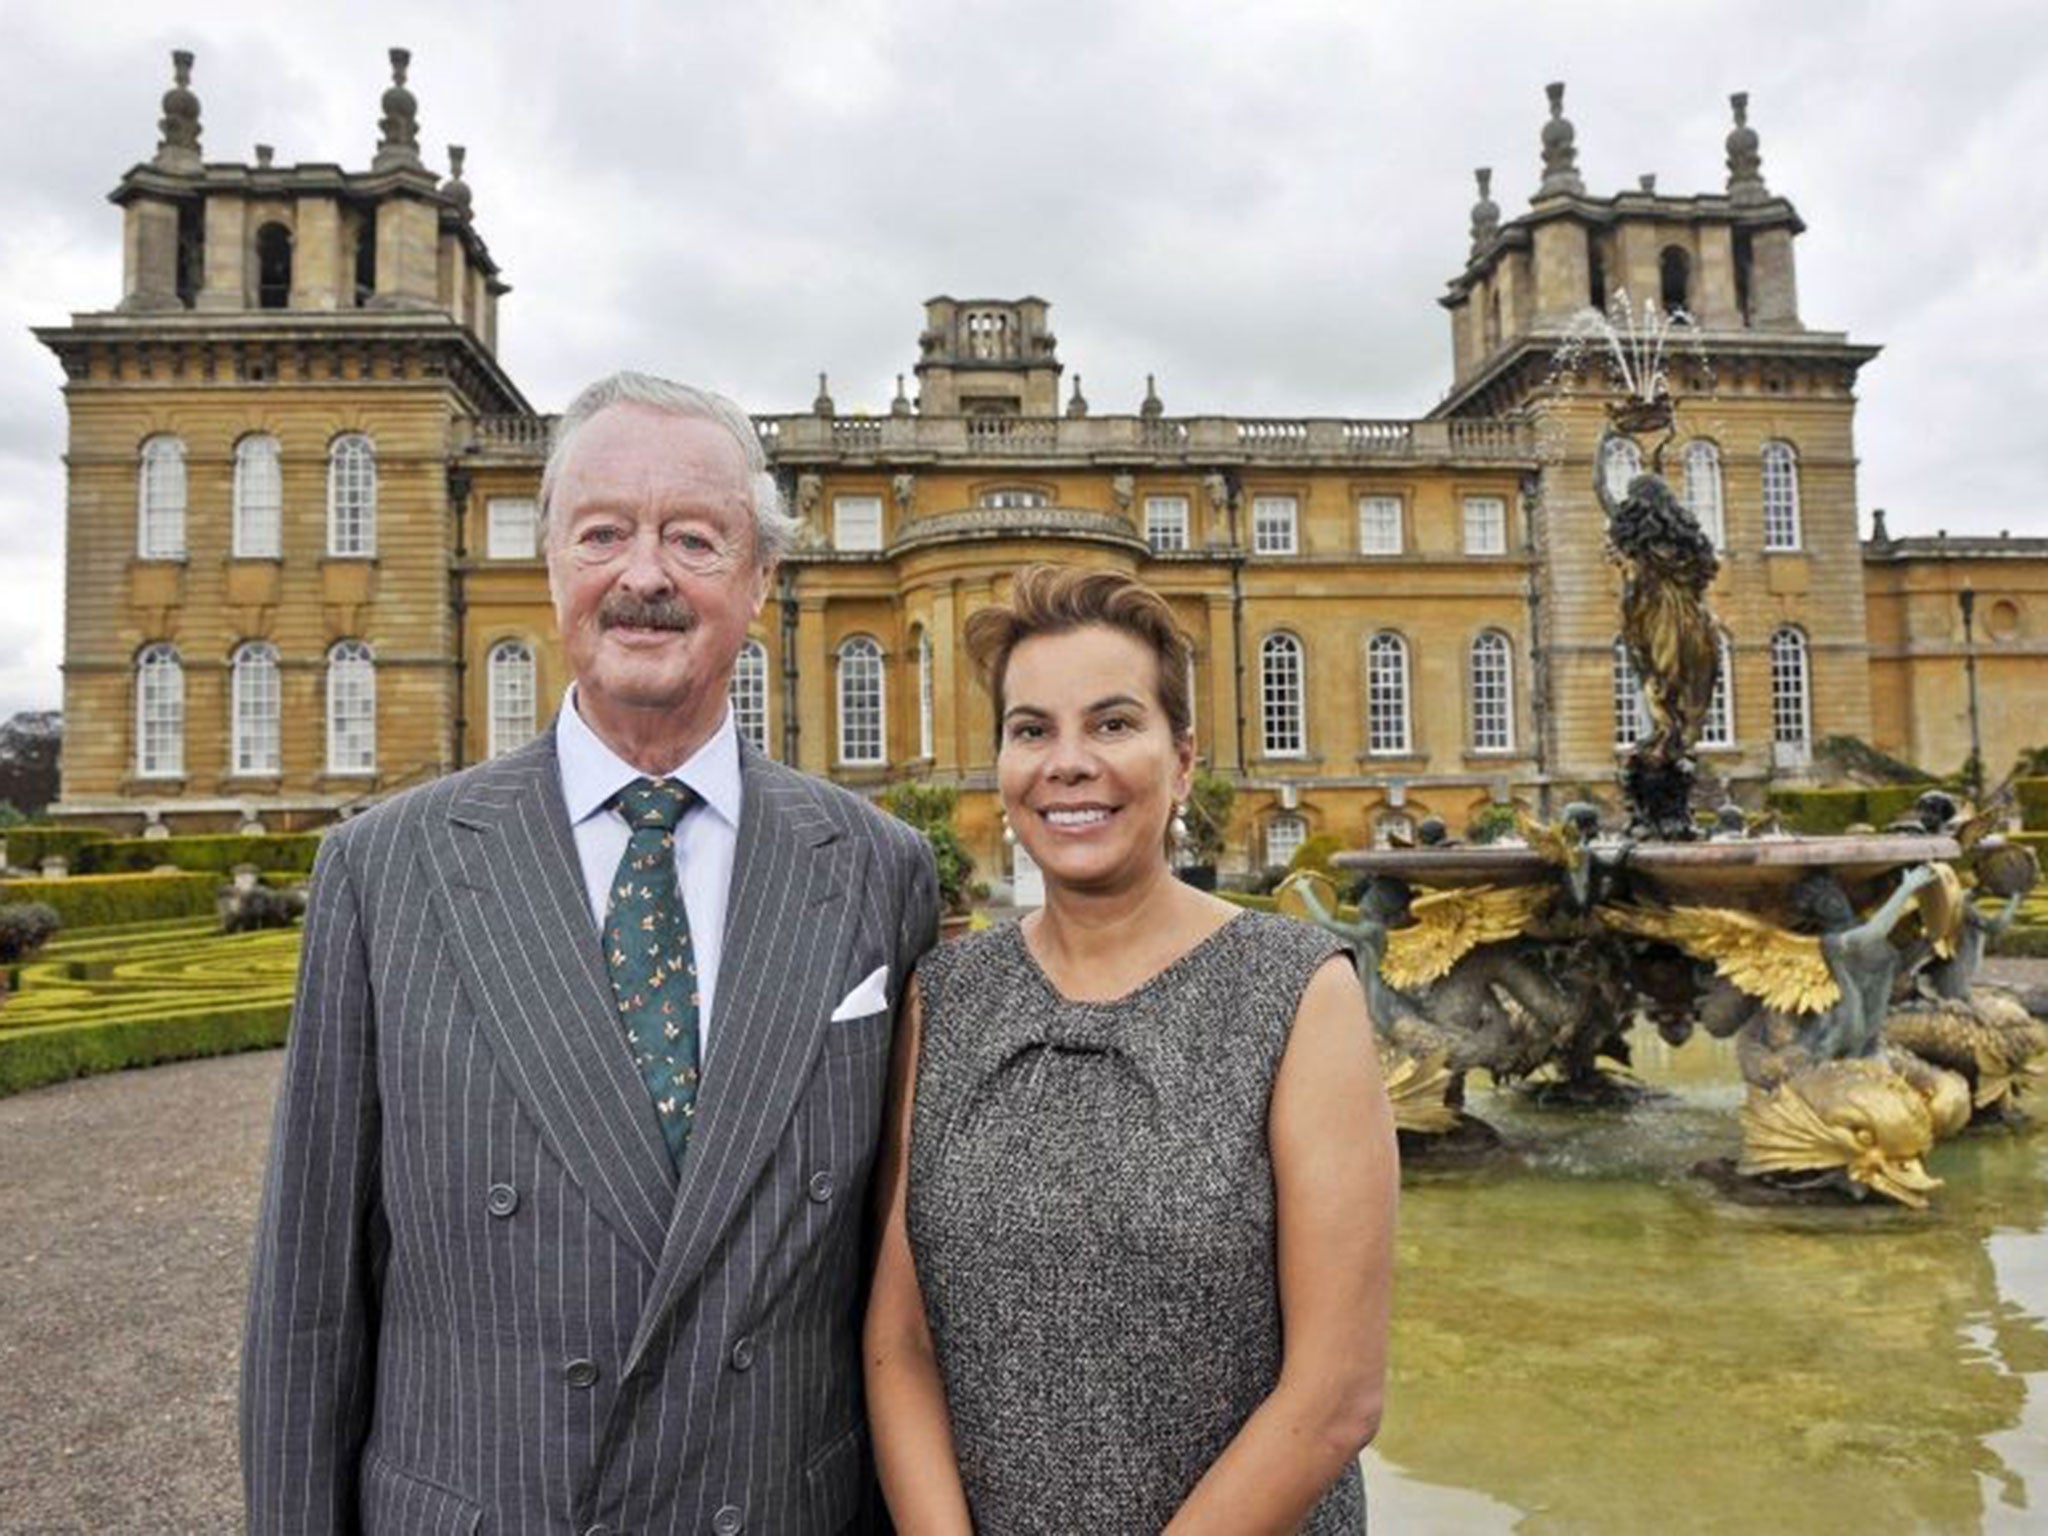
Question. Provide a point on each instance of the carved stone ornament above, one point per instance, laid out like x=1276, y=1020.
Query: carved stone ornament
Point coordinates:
x=1485, y=212
x=455, y=189
x=1560, y=150
x=903, y=488
x=1745, y=159
x=1217, y=488
x=399, y=127
x=178, y=149
x=1123, y=490
x=810, y=488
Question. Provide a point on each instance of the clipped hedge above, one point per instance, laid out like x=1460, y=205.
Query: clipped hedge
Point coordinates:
x=288, y=852
x=2033, y=798
x=1827, y=811
x=144, y=994
x=32, y=842
x=91, y=901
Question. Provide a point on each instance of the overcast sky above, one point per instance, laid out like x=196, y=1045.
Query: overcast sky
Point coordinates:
x=1260, y=204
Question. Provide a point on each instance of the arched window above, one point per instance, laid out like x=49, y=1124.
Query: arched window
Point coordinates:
x=1631, y=713
x=259, y=498
x=750, y=694
x=1283, y=731
x=1781, y=496
x=1703, y=490
x=352, y=496
x=1674, y=273
x=351, y=709
x=1620, y=463
x=861, y=738
x=1491, y=690
x=160, y=501
x=1284, y=836
x=159, y=713
x=273, y=267
x=926, y=735
x=1791, y=698
x=1596, y=277
x=255, y=708
x=1386, y=693
x=512, y=696
x=1719, y=731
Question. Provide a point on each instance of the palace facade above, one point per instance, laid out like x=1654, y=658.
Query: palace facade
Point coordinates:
x=302, y=569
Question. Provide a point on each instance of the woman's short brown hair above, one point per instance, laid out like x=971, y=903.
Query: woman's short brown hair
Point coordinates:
x=1056, y=599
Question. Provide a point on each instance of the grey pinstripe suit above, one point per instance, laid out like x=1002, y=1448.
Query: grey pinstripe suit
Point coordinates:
x=477, y=1305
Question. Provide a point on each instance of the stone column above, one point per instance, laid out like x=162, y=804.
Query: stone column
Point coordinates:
x=321, y=270
x=1222, y=701
x=1773, y=286
x=226, y=282
x=149, y=255
x=1564, y=277
x=950, y=674
x=408, y=262
x=816, y=689
x=1714, y=280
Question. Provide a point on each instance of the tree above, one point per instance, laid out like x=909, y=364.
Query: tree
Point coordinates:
x=29, y=746
x=1210, y=798
x=929, y=808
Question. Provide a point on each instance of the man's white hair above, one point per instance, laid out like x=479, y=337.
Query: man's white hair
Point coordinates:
x=774, y=529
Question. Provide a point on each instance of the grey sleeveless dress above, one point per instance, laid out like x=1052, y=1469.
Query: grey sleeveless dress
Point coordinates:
x=1091, y=1212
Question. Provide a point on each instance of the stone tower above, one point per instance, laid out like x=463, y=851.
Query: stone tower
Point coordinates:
x=258, y=478
x=1763, y=449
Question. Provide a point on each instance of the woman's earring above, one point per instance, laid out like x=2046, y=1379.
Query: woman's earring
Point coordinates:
x=1009, y=832
x=1180, y=824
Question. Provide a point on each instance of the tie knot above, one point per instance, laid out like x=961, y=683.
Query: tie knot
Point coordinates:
x=655, y=803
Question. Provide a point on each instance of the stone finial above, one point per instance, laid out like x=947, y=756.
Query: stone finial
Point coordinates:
x=1648, y=182
x=1151, y=407
x=399, y=146
x=900, y=406
x=455, y=189
x=178, y=149
x=1745, y=160
x=265, y=154
x=1485, y=212
x=1077, y=403
x=822, y=406
x=1560, y=150
x=1879, y=534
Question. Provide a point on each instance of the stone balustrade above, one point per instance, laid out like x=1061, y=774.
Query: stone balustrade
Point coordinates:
x=1193, y=440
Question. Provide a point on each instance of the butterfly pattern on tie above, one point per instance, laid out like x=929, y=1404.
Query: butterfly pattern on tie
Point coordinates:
x=647, y=951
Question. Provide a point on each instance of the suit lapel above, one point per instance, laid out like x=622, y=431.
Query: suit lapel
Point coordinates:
x=515, y=902
x=784, y=947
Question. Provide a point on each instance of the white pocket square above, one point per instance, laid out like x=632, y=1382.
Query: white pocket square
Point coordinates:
x=871, y=996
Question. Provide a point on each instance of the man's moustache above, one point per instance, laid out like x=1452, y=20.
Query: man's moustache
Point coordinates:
x=646, y=616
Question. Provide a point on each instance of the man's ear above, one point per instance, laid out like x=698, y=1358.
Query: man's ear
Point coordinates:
x=764, y=583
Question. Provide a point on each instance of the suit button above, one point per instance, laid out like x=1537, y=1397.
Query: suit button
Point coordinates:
x=503, y=1200
x=743, y=1355
x=823, y=1185
x=727, y=1521
x=580, y=1373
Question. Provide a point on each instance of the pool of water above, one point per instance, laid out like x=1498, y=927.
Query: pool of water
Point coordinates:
x=1588, y=1339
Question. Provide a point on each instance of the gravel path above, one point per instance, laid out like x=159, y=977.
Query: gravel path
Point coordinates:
x=126, y=1204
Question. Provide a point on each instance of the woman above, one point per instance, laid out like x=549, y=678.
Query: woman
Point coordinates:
x=1138, y=1189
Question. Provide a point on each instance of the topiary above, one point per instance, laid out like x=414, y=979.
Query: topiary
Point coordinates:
x=25, y=927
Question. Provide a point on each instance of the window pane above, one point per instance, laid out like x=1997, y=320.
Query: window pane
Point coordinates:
x=1014, y=497
x=351, y=709
x=1386, y=694
x=1622, y=463
x=1486, y=525
x=1280, y=693
x=1284, y=837
x=159, y=713
x=1631, y=711
x=352, y=497
x=860, y=702
x=259, y=499
x=857, y=523
x=1492, y=693
x=255, y=707
x=925, y=734
x=1273, y=525
x=1781, y=497
x=750, y=694
x=1166, y=522
x=512, y=704
x=1791, y=697
x=160, y=509
x=1379, y=525
x=511, y=525
x=1703, y=491
x=1719, y=730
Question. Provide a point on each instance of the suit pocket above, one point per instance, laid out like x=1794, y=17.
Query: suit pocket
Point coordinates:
x=854, y=1037
x=834, y=1481
x=403, y=1505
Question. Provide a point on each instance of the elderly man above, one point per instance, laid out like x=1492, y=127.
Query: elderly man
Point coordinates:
x=564, y=1223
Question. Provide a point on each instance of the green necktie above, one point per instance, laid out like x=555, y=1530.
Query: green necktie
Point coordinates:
x=647, y=950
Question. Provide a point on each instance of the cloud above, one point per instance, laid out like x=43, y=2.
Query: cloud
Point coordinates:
x=1260, y=205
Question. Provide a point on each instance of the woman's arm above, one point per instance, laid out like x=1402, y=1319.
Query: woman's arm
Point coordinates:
x=906, y=1400
x=1336, y=1179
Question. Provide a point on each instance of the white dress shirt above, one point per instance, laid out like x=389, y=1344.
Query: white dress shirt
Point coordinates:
x=706, y=839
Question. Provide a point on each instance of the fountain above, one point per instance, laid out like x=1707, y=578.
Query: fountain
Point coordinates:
x=1842, y=967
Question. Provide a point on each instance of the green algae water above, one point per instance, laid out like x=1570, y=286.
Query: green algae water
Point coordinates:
x=1588, y=1339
